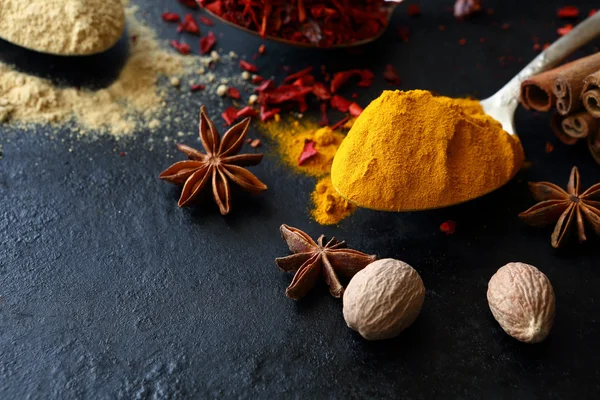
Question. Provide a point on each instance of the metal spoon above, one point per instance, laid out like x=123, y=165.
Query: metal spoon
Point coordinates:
x=503, y=104
x=391, y=9
x=106, y=17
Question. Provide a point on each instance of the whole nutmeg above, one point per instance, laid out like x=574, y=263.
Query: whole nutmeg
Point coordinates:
x=383, y=299
x=522, y=301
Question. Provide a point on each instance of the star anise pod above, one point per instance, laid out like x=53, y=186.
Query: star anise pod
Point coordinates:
x=311, y=260
x=569, y=208
x=219, y=165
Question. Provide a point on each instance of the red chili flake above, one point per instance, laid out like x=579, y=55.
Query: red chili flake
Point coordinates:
x=414, y=10
x=262, y=49
x=462, y=41
x=246, y=66
x=188, y=25
x=546, y=45
x=404, y=33
x=299, y=74
x=341, y=104
x=324, y=118
x=246, y=112
x=321, y=91
x=306, y=80
x=183, y=48
x=549, y=147
x=466, y=8
x=266, y=85
x=122, y=154
x=266, y=115
x=448, y=227
x=340, y=123
x=568, y=12
x=391, y=75
x=505, y=26
x=355, y=110
x=133, y=38
x=340, y=78
x=537, y=47
x=562, y=31
x=285, y=93
x=197, y=88
x=257, y=79
x=592, y=12
x=189, y=3
x=214, y=7
x=207, y=43
x=170, y=17
x=205, y=20
x=229, y=115
x=255, y=143
x=308, y=152
x=354, y=96
x=233, y=93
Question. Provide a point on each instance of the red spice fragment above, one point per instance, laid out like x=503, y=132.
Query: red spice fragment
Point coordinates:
x=537, y=47
x=233, y=93
x=246, y=66
x=448, y=227
x=340, y=123
x=229, y=115
x=188, y=3
x=355, y=110
x=205, y=20
x=462, y=41
x=340, y=78
x=262, y=49
x=122, y=154
x=562, y=31
x=592, y=12
x=257, y=79
x=207, y=43
x=133, y=39
x=188, y=25
x=171, y=17
x=549, y=147
x=297, y=75
x=197, y=88
x=341, y=104
x=414, y=10
x=324, y=121
x=246, y=112
x=255, y=143
x=466, y=8
x=391, y=75
x=266, y=115
x=568, y=12
x=308, y=152
x=266, y=85
x=321, y=91
x=404, y=33
x=182, y=48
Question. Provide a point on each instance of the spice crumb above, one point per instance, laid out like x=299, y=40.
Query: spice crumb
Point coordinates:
x=255, y=143
x=153, y=124
x=549, y=147
x=462, y=41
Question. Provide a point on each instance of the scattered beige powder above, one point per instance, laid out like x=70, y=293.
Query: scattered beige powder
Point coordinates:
x=65, y=27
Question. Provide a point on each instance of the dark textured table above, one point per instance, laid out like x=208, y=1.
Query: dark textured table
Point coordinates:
x=109, y=290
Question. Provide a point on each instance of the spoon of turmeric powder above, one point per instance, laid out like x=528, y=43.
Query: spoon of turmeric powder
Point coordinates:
x=412, y=150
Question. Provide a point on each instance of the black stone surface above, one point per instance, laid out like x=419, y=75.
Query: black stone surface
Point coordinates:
x=109, y=290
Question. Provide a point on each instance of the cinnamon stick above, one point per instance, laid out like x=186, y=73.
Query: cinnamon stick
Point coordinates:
x=569, y=82
x=579, y=125
x=537, y=92
x=591, y=94
x=594, y=144
x=556, y=125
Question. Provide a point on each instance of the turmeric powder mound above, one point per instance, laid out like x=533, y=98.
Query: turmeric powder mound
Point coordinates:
x=329, y=207
x=413, y=151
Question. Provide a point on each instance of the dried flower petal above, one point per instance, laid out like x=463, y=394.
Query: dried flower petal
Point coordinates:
x=308, y=152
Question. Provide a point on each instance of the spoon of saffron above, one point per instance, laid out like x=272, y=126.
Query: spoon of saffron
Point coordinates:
x=389, y=12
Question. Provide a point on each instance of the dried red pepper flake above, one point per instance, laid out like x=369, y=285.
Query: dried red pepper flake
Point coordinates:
x=230, y=115
x=246, y=66
x=321, y=91
x=340, y=123
x=462, y=41
x=340, y=78
x=265, y=85
x=233, y=93
x=205, y=20
x=188, y=3
x=215, y=7
x=170, y=17
x=466, y=8
x=182, y=48
x=246, y=112
x=207, y=43
x=324, y=121
x=391, y=75
x=188, y=25
x=341, y=104
x=448, y=227
x=537, y=47
x=197, y=88
x=266, y=114
x=562, y=31
x=355, y=110
x=262, y=49
x=257, y=79
x=404, y=33
x=299, y=74
x=549, y=147
x=306, y=80
x=592, y=12
x=285, y=93
x=414, y=10
x=134, y=39
x=308, y=152
x=568, y=12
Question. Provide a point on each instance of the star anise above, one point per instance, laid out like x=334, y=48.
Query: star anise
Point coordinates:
x=569, y=208
x=311, y=260
x=219, y=165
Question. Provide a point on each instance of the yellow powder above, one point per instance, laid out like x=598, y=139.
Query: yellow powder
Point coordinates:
x=132, y=100
x=329, y=207
x=413, y=151
x=62, y=26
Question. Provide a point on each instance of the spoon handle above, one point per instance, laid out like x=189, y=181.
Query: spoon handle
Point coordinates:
x=581, y=34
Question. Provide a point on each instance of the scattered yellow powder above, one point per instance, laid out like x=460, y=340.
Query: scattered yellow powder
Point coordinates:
x=66, y=27
x=329, y=207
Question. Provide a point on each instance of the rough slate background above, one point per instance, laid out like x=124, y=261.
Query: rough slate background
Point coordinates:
x=108, y=290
